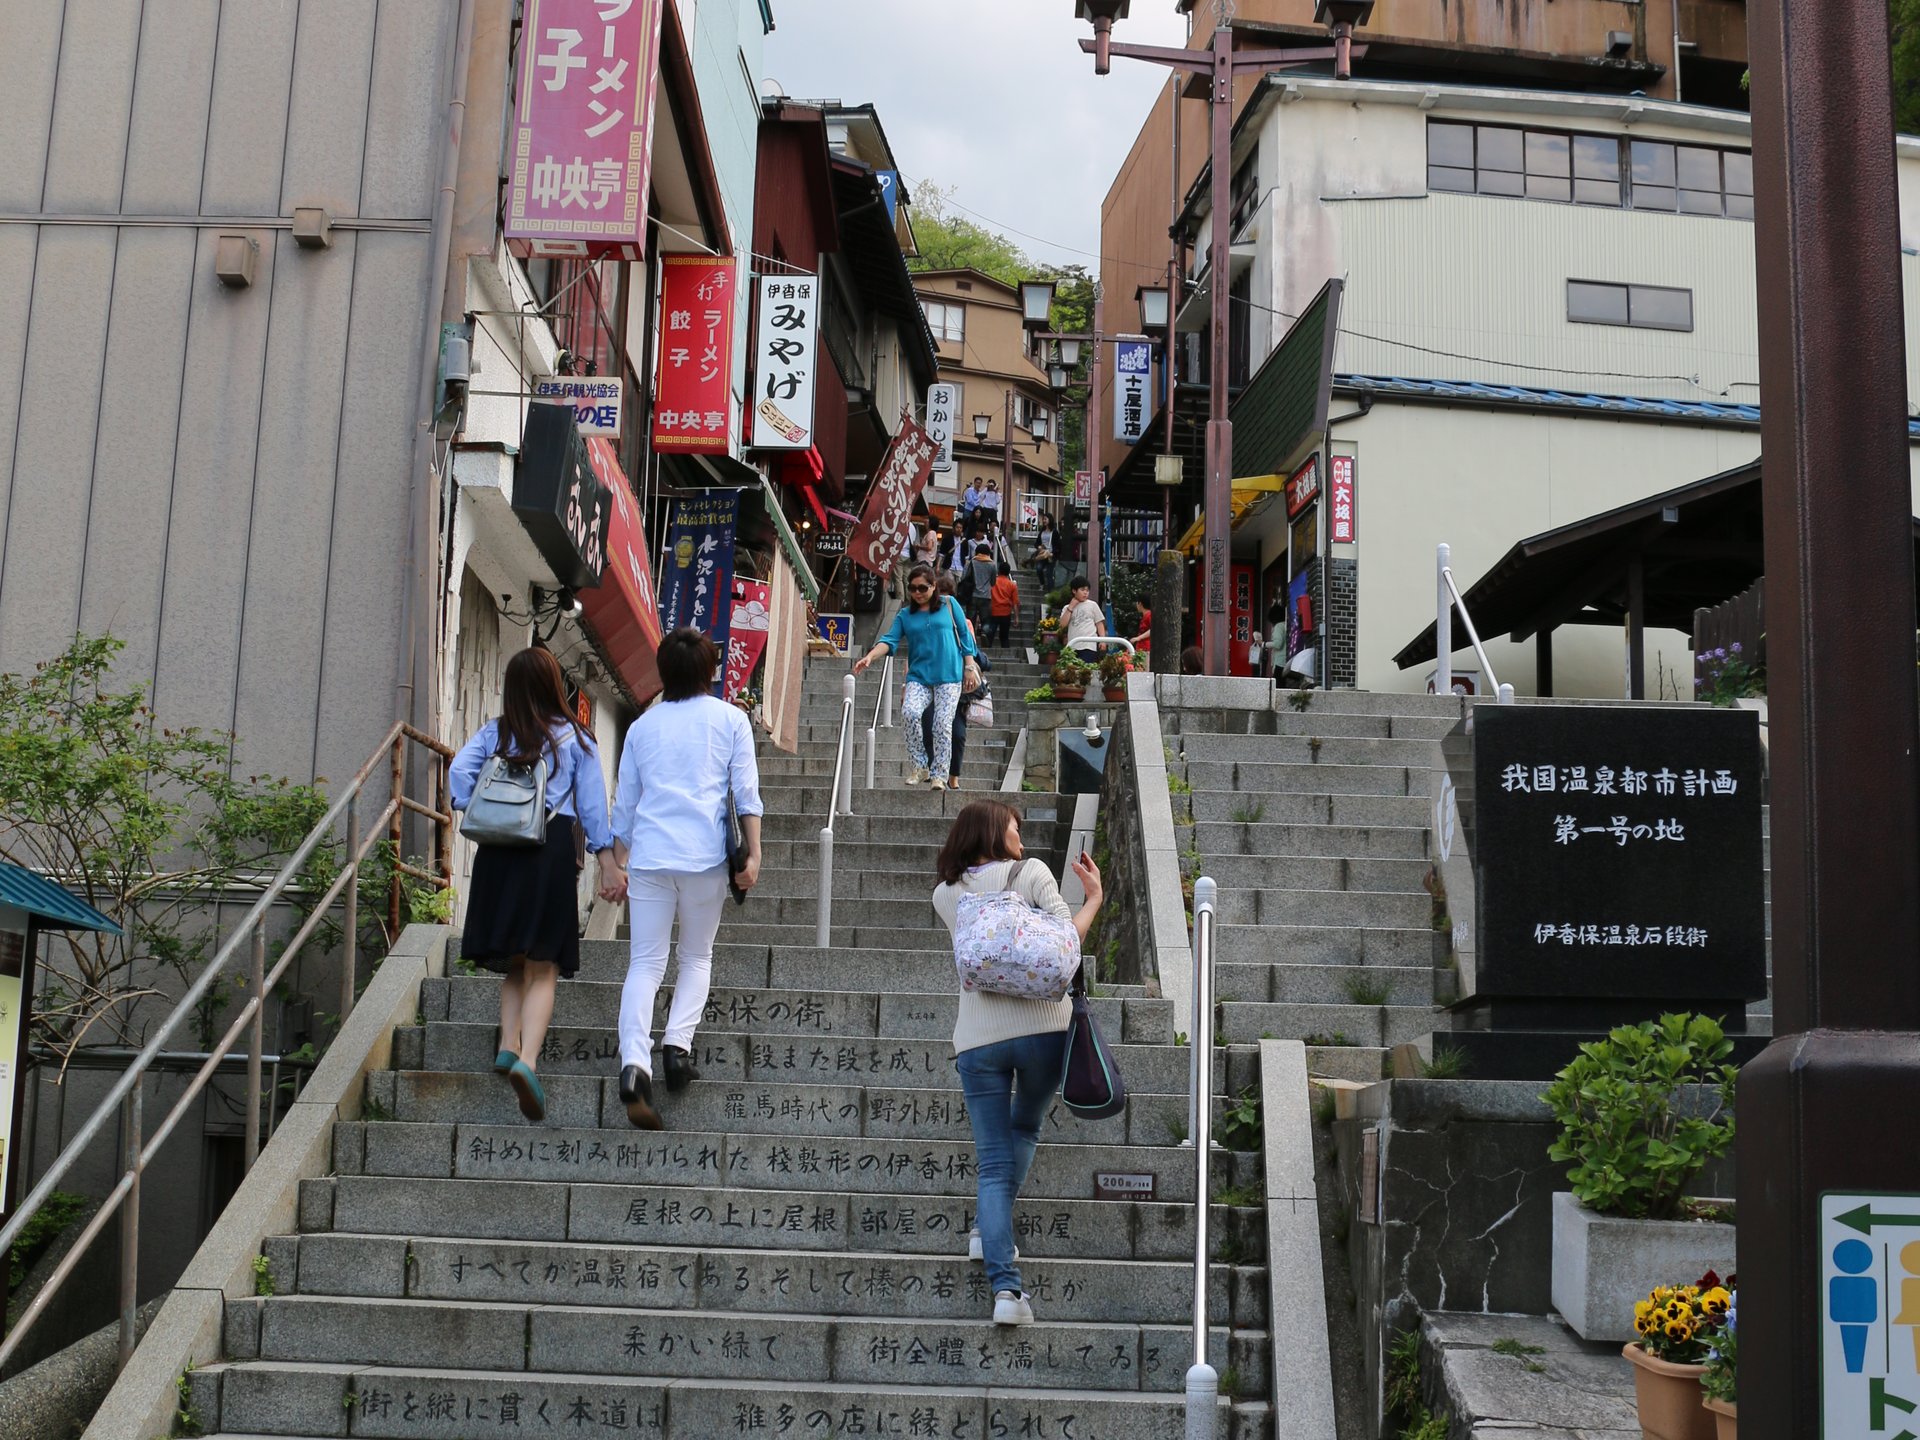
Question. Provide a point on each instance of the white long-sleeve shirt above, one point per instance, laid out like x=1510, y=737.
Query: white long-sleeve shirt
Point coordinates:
x=670, y=803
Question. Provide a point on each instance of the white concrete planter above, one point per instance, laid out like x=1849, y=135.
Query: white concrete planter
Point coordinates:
x=1602, y=1265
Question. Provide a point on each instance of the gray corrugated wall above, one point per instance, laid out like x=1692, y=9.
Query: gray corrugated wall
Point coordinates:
x=219, y=476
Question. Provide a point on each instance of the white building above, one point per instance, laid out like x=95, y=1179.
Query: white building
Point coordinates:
x=1546, y=308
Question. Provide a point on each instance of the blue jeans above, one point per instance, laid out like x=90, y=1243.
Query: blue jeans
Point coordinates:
x=1006, y=1127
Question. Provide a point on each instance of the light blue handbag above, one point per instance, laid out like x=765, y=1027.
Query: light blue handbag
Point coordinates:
x=509, y=804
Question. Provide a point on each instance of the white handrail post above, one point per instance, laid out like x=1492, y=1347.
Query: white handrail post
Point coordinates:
x=1203, y=1381
x=1443, y=623
x=886, y=694
x=1506, y=694
x=823, y=929
x=871, y=741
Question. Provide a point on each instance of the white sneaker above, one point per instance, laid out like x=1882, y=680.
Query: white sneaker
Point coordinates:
x=1012, y=1307
x=919, y=775
x=974, y=1252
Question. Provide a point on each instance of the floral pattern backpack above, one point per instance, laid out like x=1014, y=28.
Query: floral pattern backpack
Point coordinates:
x=1003, y=946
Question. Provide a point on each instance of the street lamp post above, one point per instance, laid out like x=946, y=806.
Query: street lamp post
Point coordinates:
x=1220, y=63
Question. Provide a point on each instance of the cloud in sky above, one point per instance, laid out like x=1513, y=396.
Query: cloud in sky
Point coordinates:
x=993, y=97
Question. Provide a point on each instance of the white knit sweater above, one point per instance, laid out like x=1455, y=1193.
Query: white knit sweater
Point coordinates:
x=989, y=1019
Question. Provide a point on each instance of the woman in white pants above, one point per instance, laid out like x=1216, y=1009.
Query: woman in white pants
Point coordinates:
x=681, y=760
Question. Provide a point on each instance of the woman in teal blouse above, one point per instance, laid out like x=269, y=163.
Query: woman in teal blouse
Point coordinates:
x=938, y=644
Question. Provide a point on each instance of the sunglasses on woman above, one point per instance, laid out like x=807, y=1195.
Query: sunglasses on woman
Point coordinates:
x=919, y=589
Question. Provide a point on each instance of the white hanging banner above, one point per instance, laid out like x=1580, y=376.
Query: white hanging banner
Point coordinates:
x=1132, y=365
x=942, y=401
x=784, y=349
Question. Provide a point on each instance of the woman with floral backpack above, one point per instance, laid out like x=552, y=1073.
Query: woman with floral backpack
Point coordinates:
x=1011, y=1051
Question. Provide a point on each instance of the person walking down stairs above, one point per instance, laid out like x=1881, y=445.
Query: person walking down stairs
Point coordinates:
x=1006, y=602
x=683, y=758
x=939, y=645
x=522, y=921
x=1010, y=1051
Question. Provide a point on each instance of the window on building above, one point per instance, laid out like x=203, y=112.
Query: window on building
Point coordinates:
x=1644, y=307
x=1244, y=197
x=1607, y=170
x=1240, y=328
x=947, y=321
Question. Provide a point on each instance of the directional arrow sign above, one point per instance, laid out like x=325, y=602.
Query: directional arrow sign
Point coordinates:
x=1865, y=1218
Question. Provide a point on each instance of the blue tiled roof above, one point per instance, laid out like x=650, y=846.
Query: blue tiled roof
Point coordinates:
x=48, y=903
x=1481, y=392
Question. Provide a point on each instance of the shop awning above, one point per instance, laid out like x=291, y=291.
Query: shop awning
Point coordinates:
x=619, y=613
x=1246, y=494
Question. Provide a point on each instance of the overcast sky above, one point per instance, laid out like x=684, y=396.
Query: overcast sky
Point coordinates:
x=991, y=96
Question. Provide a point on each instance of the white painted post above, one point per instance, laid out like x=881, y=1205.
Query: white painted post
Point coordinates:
x=1443, y=624
x=1506, y=694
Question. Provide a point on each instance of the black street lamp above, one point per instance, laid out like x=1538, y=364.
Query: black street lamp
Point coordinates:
x=1220, y=63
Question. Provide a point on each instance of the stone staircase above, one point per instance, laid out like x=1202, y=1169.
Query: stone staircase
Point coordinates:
x=789, y=1256
x=1316, y=825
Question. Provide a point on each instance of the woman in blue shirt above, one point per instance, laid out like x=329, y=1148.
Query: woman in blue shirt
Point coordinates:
x=938, y=643
x=523, y=919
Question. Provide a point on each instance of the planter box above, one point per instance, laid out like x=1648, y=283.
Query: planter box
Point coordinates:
x=1601, y=1265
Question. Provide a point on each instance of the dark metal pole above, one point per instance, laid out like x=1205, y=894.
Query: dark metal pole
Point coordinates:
x=1815, y=1106
x=1218, y=541
x=1636, y=630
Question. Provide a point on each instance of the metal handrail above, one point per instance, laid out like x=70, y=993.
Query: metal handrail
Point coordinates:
x=839, y=802
x=882, y=715
x=137, y=1152
x=1203, y=1381
x=1448, y=598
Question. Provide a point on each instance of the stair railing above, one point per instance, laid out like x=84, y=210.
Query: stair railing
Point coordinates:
x=882, y=713
x=1203, y=1381
x=839, y=802
x=1447, y=600
x=137, y=1150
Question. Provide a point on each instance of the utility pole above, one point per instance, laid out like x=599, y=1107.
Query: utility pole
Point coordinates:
x=1823, y=1110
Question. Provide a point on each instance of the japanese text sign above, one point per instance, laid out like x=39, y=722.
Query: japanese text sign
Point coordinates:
x=581, y=161
x=595, y=401
x=1083, y=487
x=942, y=402
x=1132, y=362
x=1341, y=525
x=783, y=361
x=882, y=533
x=1302, y=486
x=747, y=635
x=1869, y=1299
x=694, y=398
x=697, y=588
x=1617, y=853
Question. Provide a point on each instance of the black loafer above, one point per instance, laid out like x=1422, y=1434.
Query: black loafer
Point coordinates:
x=636, y=1092
x=679, y=1067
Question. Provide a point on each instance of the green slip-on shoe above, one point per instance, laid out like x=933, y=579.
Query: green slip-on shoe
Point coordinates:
x=533, y=1100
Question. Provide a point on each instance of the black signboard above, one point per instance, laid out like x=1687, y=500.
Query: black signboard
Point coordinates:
x=1618, y=855
x=866, y=590
x=563, y=507
x=830, y=543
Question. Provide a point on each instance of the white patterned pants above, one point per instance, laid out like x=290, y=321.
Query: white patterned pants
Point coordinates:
x=654, y=898
x=914, y=703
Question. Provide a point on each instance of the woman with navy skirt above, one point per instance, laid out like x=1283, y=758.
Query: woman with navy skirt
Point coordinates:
x=523, y=918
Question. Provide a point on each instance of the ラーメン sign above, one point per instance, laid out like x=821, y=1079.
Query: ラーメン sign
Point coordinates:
x=580, y=153
x=694, y=399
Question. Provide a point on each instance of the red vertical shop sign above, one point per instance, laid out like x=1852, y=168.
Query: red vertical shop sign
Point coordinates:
x=1342, y=526
x=695, y=390
x=582, y=149
x=620, y=610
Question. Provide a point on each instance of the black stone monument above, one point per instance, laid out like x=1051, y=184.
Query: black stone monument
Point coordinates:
x=1617, y=873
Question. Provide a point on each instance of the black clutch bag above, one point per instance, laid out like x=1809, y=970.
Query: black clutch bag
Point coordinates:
x=736, y=851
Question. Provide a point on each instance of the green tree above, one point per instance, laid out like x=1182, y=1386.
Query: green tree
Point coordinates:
x=1903, y=17
x=947, y=240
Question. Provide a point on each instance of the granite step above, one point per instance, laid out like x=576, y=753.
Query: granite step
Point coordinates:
x=1310, y=808
x=924, y=971
x=1325, y=945
x=1316, y=780
x=1251, y=874
x=385, y=1402
x=866, y=826
x=786, y=1221
x=1382, y=1026
x=474, y=1151
x=1373, y=909
x=910, y=801
x=1384, y=842
x=672, y=1277
x=1325, y=984
x=1307, y=750
x=909, y=876
x=761, y=1058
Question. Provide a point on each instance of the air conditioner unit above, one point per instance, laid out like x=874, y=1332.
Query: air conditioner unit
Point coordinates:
x=1619, y=44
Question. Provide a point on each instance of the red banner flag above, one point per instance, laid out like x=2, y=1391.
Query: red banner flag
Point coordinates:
x=882, y=532
x=747, y=636
x=695, y=391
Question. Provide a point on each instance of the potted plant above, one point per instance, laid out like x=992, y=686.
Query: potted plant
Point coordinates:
x=1718, y=1380
x=1727, y=678
x=1677, y=1327
x=1641, y=1112
x=1069, y=678
x=1040, y=694
x=1113, y=675
x=1047, y=638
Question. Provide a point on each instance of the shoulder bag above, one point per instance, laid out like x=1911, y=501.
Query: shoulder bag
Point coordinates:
x=509, y=804
x=1004, y=946
x=980, y=707
x=970, y=676
x=1092, y=1088
x=736, y=840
